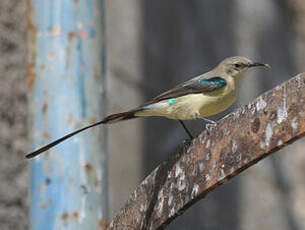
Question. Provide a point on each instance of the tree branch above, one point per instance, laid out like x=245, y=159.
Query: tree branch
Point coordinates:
x=235, y=143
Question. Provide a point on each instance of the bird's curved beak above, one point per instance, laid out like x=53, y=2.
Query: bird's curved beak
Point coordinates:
x=258, y=64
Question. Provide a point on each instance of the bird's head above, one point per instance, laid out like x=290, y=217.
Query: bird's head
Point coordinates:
x=238, y=66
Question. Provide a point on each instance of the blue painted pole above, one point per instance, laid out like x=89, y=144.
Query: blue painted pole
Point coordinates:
x=66, y=81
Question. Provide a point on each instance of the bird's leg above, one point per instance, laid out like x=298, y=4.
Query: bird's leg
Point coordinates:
x=186, y=130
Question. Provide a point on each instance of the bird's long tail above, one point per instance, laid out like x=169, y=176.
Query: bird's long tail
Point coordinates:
x=107, y=120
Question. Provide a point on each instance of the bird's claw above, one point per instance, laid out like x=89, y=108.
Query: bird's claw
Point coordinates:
x=210, y=126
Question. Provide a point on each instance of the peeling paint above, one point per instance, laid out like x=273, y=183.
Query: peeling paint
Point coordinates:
x=169, y=175
x=279, y=143
x=143, y=207
x=260, y=104
x=222, y=174
x=195, y=190
x=172, y=212
x=246, y=159
x=201, y=167
x=234, y=146
x=252, y=109
x=195, y=171
x=268, y=134
x=178, y=170
x=208, y=144
x=208, y=156
x=282, y=110
x=170, y=199
x=160, y=203
x=181, y=183
x=281, y=114
x=294, y=124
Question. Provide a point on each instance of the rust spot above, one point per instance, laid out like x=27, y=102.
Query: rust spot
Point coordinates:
x=96, y=183
x=64, y=217
x=71, y=35
x=277, y=130
x=31, y=46
x=292, y=108
x=42, y=187
x=46, y=204
x=46, y=135
x=88, y=168
x=51, y=55
x=256, y=125
x=228, y=159
x=75, y=215
x=30, y=73
x=44, y=108
x=92, y=120
x=48, y=180
x=102, y=224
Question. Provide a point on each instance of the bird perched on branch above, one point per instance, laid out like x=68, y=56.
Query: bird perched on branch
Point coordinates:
x=200, y=97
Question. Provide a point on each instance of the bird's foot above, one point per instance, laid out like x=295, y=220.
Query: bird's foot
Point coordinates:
x=209, y=127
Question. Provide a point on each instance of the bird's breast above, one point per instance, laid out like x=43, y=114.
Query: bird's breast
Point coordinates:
x=217, y=101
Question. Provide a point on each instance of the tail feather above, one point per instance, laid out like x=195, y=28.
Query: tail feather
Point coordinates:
x=113, y=118
x=107, y=120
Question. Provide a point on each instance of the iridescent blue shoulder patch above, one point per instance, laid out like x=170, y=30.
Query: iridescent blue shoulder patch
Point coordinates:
x=171, y=101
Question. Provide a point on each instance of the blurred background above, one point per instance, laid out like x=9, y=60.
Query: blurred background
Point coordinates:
x=151, y=47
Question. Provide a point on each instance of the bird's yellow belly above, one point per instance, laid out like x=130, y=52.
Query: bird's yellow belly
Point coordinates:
x=215, y=105
x=201, y=105
x=192, y=106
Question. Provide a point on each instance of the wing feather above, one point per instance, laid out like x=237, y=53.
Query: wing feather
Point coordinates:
x=194, y=86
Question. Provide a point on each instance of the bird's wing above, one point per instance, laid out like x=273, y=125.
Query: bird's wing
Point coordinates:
x=194, y=86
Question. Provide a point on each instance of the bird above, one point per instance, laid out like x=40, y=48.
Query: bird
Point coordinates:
x=200, y=97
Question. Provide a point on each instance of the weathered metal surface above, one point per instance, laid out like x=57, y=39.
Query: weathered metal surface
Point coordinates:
x=238, y=141
x=66, y=84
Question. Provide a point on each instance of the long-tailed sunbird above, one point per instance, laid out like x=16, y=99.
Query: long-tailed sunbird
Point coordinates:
x=200, y=97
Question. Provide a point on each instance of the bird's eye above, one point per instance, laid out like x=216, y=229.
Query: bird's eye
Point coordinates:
x=237, y=65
